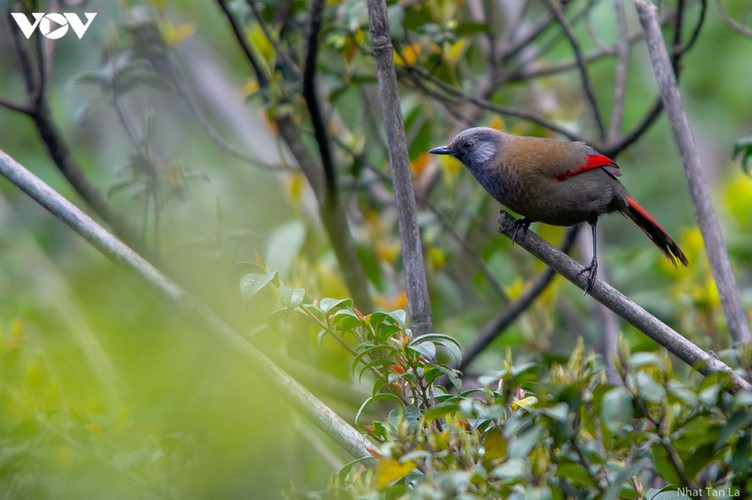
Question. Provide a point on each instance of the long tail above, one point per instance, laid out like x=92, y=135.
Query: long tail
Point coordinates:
x=655, y=232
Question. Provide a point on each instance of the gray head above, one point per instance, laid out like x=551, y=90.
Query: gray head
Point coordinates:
x=474, y=147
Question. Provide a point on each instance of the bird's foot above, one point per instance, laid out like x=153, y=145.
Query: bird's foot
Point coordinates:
x=592, y=271
x=524, y=224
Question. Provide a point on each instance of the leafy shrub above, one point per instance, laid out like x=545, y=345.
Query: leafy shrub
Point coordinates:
x=534, y=429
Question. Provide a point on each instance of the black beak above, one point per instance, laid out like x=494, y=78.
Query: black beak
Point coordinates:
x=441, y=150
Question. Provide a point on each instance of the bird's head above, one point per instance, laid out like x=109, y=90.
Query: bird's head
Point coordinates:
x=474, y=147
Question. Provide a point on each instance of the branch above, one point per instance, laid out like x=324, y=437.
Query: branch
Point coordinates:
x=37, y=108
x=678, y=50
x=730, y=22
x=419, y=304
x=498, y=325
x=322, y=416
x=314, y=109
x=718, y=257
x=623, y=306
x=581, y=64
x=334, y=221
x=620, y=79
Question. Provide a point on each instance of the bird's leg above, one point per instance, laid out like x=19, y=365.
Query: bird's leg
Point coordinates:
x=524, y=224
x=592, y=269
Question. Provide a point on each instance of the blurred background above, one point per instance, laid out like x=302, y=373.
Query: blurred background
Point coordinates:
x=107, y=391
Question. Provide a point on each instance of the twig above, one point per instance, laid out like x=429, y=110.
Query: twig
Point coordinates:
x=620, y=79
x=37, y=108
x=730, y=22
x=498, y=325
x=623, y=306
x=305, y=402
x=582, y=65
x=334, y=221
x=717, y=253
x=449, y=227
x=677, y=51
x=419, y=304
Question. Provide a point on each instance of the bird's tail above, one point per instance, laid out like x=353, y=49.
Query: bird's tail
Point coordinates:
x=655, y=232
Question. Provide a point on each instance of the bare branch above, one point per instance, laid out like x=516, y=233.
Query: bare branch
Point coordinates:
x=419, y=303
x=638, y=317
x=334, y=220
x=717, y=253
x=498, y=325
x=314, y=109
x=582, y=65
x=322, y=416
x=730, y=22
x=620, y=79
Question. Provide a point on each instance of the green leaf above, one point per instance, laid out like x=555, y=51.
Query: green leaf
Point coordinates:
x=663, y=465
x=426, y=349
x=523, y=443
x=445, y=341
x=741, y=457
x=346, y=319
x=440, y=410
x=559, y=412
x=649, y=389
x=739, y=420
x=512, y=471
x=642, y=359
x=290, y=297
x=616, y=409
x=284, y=244
x=576, y=473
x=251, y=284
x=698, y=460
x=329, y=305
x=383, y=396
x=743, y=148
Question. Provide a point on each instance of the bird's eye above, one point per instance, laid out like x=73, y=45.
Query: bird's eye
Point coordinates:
x=468, y=145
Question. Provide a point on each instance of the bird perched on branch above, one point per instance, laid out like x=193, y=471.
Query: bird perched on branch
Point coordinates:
x=556, y=182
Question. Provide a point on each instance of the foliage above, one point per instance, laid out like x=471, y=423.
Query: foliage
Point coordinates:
x=543, y=428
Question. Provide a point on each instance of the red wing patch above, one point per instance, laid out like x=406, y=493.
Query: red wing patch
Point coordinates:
x=593, y=161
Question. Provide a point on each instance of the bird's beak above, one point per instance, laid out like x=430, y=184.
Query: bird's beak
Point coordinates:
x=441, y=150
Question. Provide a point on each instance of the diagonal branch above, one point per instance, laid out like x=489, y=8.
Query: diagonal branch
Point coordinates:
x=37, y=108
x=610, y=297
x=514, y=310
x=321, y=415
x=717, y=253
x=581, y=64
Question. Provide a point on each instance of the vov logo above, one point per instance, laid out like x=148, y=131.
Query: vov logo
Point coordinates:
x=53, y=25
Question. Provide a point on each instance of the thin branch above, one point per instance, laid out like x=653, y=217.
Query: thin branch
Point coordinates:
x=677, y=52
x=245, y=46
x=38, y=110
x=514, y=310
x=447, y=225
x=312, y=102
x=334, y=221
x=489, y=106
x=620, y=78
x=322, y=416
x=638, y=317
x=582, y=65
x=730, y=22
x=717, y=253
x=419, y=304
x=12, y=106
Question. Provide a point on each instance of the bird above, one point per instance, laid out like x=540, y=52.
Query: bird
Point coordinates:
x=557, y=182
